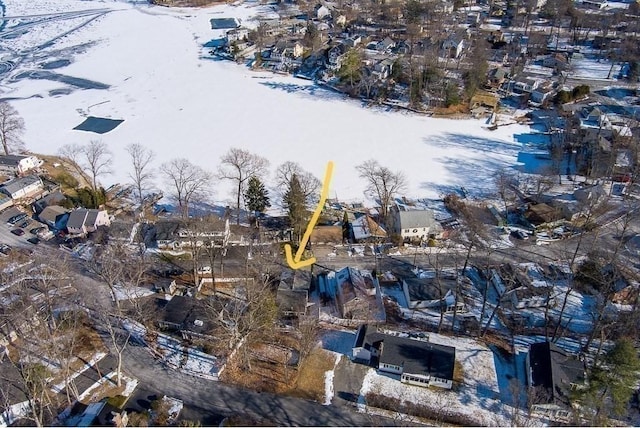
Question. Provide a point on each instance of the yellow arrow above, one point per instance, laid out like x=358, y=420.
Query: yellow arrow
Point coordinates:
x=295, y=262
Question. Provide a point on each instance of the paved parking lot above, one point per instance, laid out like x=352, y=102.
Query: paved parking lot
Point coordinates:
x=6, y=237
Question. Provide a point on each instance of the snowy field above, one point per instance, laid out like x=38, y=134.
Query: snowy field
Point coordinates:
x=146, y=66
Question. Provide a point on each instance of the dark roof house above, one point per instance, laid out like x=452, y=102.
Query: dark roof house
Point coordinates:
x=418, y=362
x=553, y=373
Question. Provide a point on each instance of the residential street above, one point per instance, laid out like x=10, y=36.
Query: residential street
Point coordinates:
x=208, y=399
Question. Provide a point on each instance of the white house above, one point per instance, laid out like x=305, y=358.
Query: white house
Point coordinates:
x=18, y=164
x=23, y=187
x=414, y=224
x=454, y=44
x=83, y=221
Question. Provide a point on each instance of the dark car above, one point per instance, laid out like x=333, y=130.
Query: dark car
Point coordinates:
x=5, y=249
x=34, y=240
x=519, y=234
x=37, y=230
x=24, y=224
x=18, y=232
x=16, y=218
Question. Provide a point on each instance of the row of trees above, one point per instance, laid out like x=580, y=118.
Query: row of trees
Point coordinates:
x=296, y=189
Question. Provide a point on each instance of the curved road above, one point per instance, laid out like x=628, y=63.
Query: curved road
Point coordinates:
x=226, y=400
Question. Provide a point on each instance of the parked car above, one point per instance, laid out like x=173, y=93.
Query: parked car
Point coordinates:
x=519, y=234
x=33, y=240
x=5, y=249
x=24, y=224
x=17, y=218
x=17, y=232
x=37, y=230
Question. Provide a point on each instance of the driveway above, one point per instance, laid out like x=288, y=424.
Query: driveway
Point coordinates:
x=347, y=381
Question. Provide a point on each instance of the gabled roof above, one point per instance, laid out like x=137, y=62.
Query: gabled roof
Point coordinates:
x=20, y=183
x=425, y=289
x=419, y=357
x=77, y=218
x=416, y=218
x=554, y=370
x=53, y=198
x=11, y=160
x=51, y=213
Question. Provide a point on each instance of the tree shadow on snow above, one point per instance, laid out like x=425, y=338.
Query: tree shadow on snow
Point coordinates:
x=310, y=91
x=475, y=172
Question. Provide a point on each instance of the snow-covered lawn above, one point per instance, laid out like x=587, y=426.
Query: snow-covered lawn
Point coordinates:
x=182, y=104
x=478, y=398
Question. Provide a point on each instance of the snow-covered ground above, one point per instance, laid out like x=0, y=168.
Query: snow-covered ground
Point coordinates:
x=154, y=75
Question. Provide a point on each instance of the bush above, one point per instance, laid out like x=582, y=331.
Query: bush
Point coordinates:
x=580, y=91
x=66, y=180
x=563, y=97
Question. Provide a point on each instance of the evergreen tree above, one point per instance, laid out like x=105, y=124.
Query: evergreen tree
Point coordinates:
x=256, y=196
x=346, y=228
x=612, y=382
x=294, y=203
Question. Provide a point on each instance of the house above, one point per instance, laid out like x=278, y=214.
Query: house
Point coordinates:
x=23, y=187
x=383, y=68
x=237, y=34
x=595, y=4
x=55, y=217
x=385, y=45
x=82, y=221
x=163, y=235
x=365, y=228
x=434, y=291
x=188, y=316
x=526, y=85
x=497, y=76
x=322, y=11
x=542, y=93
x=18, y=164
x=414, y=224
x=417, y=362
x=593, y=117
x=454, y=44
x=54, y=198
x=335, y=56
x=286, y=49
x=552, y=374
x=357, y=294
x=5, y=202
x=353, y=41
x=522, y=292
x=292, y=295
x=557, y=61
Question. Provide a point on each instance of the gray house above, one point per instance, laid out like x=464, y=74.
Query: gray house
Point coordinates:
x=414, y=224
x=83, y=221
x=23, y=187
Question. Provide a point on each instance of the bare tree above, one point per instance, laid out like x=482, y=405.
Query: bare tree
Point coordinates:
x=71, y=154
x=11, y=128
x=239, y=165
x=188, y=181
x=310, y=184
x=382, y=183
x=90, y=161
x=97, y=160
x=142, y=172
